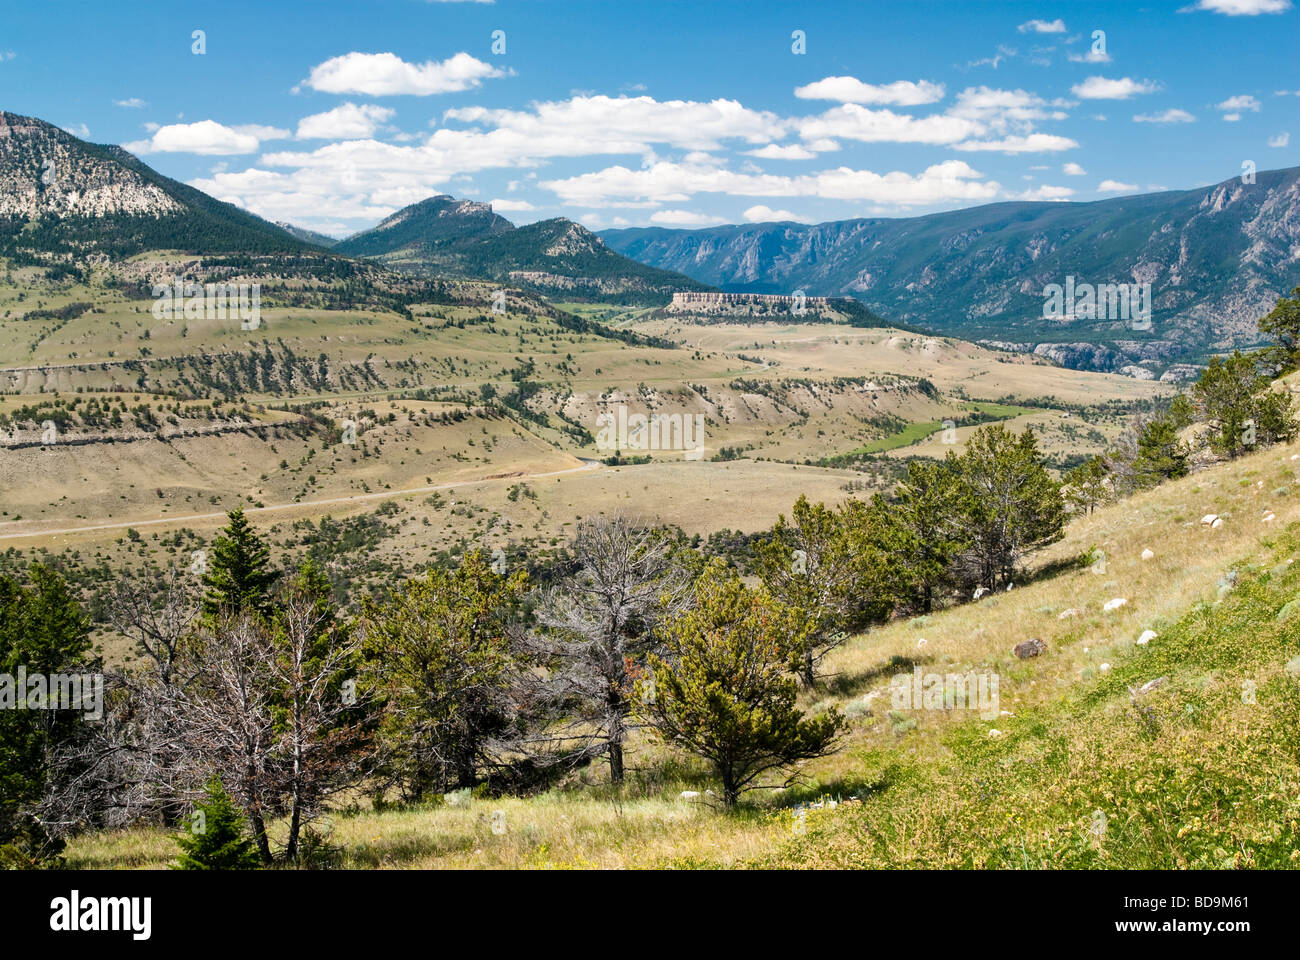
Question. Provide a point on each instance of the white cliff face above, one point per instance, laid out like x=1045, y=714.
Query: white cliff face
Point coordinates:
x=45, y=172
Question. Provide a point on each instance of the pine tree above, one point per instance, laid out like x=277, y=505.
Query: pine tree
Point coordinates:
x=1009, y=503
x=217, y=840
x=1160, y=454
x=239, y=577
x=723, y=691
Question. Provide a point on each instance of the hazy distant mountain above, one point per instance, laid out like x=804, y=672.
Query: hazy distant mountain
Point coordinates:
x=448, y=237
x=61, y=194
x=1216, y=257
x=307, y=236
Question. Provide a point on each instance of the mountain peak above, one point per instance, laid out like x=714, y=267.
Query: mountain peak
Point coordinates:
x=47, y=172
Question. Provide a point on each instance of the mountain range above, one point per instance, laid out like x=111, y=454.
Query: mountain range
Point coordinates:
x=60, y=195
x=443, y=236
x=1216, y=257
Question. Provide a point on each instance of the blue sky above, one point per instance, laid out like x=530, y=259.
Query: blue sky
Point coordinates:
x=334, y=114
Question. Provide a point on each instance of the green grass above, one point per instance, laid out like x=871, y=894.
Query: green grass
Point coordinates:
x=1202, y=771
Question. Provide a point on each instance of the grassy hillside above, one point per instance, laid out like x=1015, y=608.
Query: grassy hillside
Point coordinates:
x=1198, y=769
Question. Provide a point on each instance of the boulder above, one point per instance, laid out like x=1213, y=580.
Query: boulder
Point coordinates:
x=1029, y=648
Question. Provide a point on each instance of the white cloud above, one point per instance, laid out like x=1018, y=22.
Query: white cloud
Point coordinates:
x=1281, y=140
x=1235, y=105
x=1231, y=117
x=600, y=124
x=206, y=137
x=1115, y=186
x=903, y=93
x=78, y=130
x=761, y=213
x=1167, y=116
x=134, y=103
x=1042, y=26
x=1092, y=56
x=853, y=122
x=675, y=183
x=776, y=152
x=347, y=121
x=1102, y=88
x=684, y=218
x=1003, y=111
x=1240, y=8
x=386, y=74
x=1034, y=143
x=511, y=206
x=1073, y=170
x=1046, y=192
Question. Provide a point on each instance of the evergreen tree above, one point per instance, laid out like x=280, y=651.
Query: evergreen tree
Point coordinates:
x=44, y=632
x=832, y=566
x=1086, y=487
x=1282, y=325
x=1242, y=408
x=1160, y=454
x=927, y=528
x=1008, y=502
x=440, y=653
x=239, y=576
x=216, y=840
x=723, y=691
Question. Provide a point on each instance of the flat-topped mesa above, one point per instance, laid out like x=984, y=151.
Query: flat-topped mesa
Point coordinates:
x=727, y=301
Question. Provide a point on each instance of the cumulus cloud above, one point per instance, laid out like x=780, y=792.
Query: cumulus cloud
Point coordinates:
x=854, y=122
x=1234, y=106
x=1240, y=8
x=1073, y=170
x=1102, y=88
x=133, y=103
x=347, y=121
x=1115, y=186
x=386, y=74
x=206, y=137
x=1034, y=143
x=1281, y=140
x=511, y=206
x=902, y=93
x=684, y=218
x=666, y=182
x=602, y=124
x=1001, y=111
x=1047, y=192
x=776, y=152
x=1091, y=56
x=1042, y=26
x=1167, y=116
x=761, y=213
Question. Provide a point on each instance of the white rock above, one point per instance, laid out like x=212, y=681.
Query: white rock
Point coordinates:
x=1104, y=667
x=1148, y=554
x=1218, y=522
x=688, y=794
x=1065, y=614
x=979, y=592
x=1269, y=517
x=1209, y=518
x=1147, y=637
x=1114, y=604
x=995, y=733
x=922, y=642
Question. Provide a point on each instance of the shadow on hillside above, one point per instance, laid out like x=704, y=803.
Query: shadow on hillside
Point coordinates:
x=852, y=684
